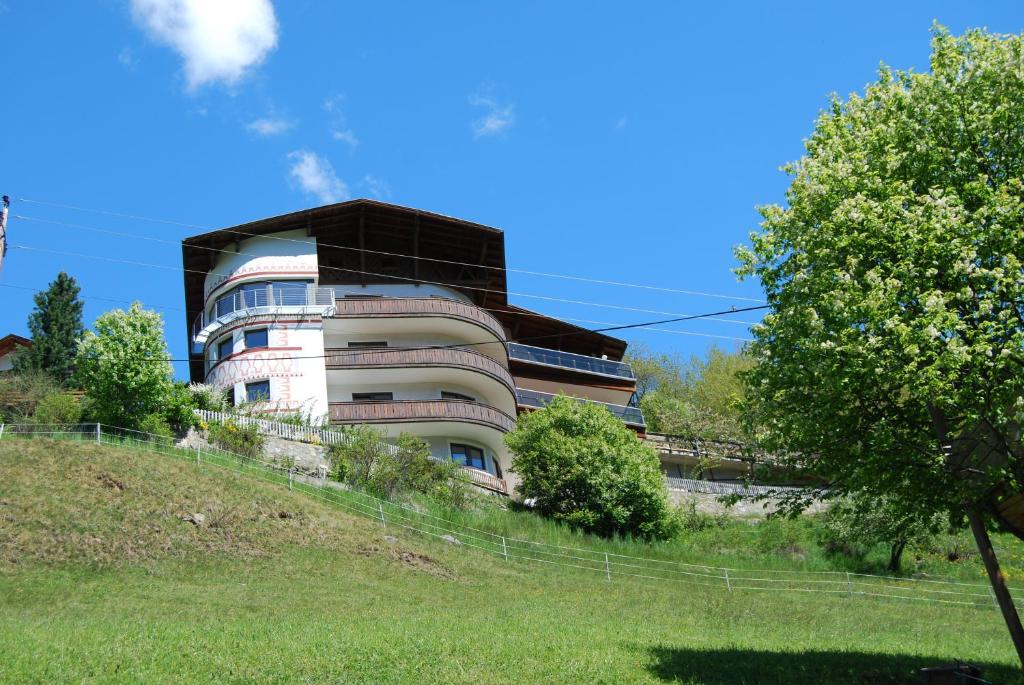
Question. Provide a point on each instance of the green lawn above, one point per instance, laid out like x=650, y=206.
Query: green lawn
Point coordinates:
x=101, y=581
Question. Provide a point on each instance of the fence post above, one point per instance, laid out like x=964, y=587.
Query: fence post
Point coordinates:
x=383, y=523
x=728, y=584
x=993, y=594
x=98, y=442
x=607, y=567
x=2, y=425
x=849, y=585
x=504, y=548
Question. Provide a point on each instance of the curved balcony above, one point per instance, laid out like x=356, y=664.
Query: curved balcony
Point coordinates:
x=290, y=301
x=424, y=357
x=417, y=411
x=417, y=308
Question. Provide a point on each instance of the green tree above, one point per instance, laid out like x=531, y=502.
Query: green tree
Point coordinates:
x=700, y=398
x=865, y=520
x=581, y=465
x=56, y=326
x=892, y=358
x=123, y=366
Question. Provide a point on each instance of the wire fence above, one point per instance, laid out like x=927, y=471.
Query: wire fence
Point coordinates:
x=599, y=563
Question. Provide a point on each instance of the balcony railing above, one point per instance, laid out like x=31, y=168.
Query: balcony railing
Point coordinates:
x=631, y=416
x=414, y=411
x=569, y=360
x=275, y=299
x=452, y=357
x=355, y=307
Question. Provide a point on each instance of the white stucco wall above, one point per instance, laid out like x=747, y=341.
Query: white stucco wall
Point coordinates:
x=6, y=362
x=264, y=258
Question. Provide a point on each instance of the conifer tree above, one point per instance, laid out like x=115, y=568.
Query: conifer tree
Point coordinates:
x=56, y=326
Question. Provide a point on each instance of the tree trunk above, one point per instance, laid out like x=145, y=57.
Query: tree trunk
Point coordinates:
x=995, y=576
x=895, y=554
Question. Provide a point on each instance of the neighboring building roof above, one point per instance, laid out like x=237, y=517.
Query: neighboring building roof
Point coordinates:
x=9, y=342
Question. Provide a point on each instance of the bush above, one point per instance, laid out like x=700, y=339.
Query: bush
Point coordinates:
x=208, y=397
x=156, y=424
x=581, y=465
x=179, y=408
x=58, y=407
x=244, y=440
x=20, y=393
x=386, y=470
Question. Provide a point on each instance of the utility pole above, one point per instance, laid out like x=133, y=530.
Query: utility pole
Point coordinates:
x=3, y=228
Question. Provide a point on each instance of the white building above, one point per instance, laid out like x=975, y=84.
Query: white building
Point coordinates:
x=366, y=312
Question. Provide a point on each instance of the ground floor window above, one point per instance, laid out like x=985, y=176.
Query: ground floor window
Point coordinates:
x=467, y=455
x=258, y=391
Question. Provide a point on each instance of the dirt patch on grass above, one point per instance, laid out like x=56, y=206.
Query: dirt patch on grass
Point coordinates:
x=409, y=559
x=113, y=483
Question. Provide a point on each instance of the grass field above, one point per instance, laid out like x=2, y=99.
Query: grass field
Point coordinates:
x=101, y=580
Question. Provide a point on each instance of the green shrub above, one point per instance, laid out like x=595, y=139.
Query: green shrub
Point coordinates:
x=155, y=425
x=243, y=440
x=58, y=407
x=208, y=397
x=581, y=465
x=20, y=392
x=179, y=407
x=386, y=470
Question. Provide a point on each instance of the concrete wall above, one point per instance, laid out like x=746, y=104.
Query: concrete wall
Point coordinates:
x=264, y=258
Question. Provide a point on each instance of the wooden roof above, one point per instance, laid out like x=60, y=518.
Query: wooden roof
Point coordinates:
x=11, y=341
x=362, y=242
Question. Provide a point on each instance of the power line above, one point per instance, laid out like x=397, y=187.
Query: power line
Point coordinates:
x=583, y=279
x=386, y=350
x=371, y=273
x=92, y=297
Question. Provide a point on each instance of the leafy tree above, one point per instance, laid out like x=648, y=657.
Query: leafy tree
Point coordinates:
x=21, y=392
x=581, y=465
x=396, y=469
x=892, y=358
x=866, y=520
x=699, y=398
x=123, y=366
x=58, y=408
x=56, y=326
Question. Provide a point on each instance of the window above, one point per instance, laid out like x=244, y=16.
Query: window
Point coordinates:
x=257, y=337
x=257, y=392
x=467, y=455
x=372, y=397
x=225, y=347
x=229, y=396
x=445, y=395
x=367, y=345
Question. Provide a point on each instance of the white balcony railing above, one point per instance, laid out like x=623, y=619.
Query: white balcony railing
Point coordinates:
x=273, y=299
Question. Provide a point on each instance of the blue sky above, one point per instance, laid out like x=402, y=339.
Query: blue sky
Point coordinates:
x=608, y=140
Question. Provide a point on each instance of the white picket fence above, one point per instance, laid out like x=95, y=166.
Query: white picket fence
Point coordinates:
x=278, y=429
x=711, y=487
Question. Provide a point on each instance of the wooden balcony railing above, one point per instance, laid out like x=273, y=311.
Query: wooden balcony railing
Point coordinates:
x=402, y=411
x=450, y=357
x=356, y=307
x=485, y=480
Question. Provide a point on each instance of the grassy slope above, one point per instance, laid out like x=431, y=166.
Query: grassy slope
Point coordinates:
x=101, y=581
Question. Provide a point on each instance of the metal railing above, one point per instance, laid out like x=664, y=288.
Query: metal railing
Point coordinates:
x=272, y=298
x=711, y=487
x=631, y=416
x=599, y=563
x=569, y=360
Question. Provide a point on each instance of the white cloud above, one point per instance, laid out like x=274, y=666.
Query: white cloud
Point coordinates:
x=316, y=177
x=379, y=188
x=496, y=119
x=269, y=126
x=219, y=40
x=126, y=58
x=347, y=136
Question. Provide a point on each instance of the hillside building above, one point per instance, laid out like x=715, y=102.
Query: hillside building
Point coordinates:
x=372, y=313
